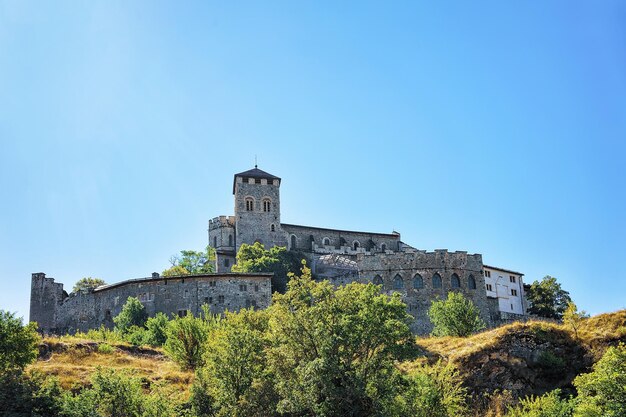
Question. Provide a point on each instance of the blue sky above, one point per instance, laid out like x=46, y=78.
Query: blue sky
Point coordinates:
x=492, y=127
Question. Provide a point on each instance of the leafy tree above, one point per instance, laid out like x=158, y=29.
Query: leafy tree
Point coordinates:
x=29, y=394
x=133, y=314
x=18, y=343
x=332, y=352
x=192, y=262
x=157, y=329
x=87, y=284
x=280, y=261
x=602, y=392
x=455, y=316
x=547, y=298
x=186, y=339
x=548, y=405
x=434, y=391
x=574, y=318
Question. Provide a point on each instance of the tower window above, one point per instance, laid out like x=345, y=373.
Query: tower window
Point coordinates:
x=455, y=282
x=398, y=282
x=471, y=282
x=436, y=281
x=249, y=204
x=215, y=242
x=272, y=228
x=230, y=240
x=293, y=242
x=257, y=180
x=383, y=247
x=355, y=245
x=378, y=280
x=220, y=299
x=488, y=274
x=326, y=241
x=267, y=204
x=418, y=282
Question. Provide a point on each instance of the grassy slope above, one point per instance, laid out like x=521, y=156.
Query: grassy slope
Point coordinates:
x=73, y=361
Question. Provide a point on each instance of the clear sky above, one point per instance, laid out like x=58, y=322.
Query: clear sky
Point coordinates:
x=492, y=127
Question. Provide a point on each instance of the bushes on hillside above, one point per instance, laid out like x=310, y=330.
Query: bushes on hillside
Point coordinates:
x=455, y=316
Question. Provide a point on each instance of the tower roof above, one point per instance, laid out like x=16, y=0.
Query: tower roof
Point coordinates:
x=254, y=173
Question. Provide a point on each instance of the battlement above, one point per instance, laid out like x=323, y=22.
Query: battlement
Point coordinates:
x=221, y=221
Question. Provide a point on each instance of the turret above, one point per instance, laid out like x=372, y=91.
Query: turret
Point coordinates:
x=45, y=297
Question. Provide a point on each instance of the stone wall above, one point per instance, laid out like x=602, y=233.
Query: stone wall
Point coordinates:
x=172, y=295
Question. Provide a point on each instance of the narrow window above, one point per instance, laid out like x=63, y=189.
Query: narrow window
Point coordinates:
x=243, y=287
x=383, y=247
x=230, y=240
x=326, y=241
x=455, y=282
x=418, y=281
x=226, y=262
x=378, y=280
x=436, y=281
x=256, y=288
x=488, y=274
x=514, y=292
x=182, y=313
x=266, y=205
x=489, y=287
x=356, y=244
x=512, y=278
x=206, y=300
x=215, y=242
x=398, y=282
x=220, y=299
x=471, y=282
x=249, y=204
x=293, y=242
x=272, y=228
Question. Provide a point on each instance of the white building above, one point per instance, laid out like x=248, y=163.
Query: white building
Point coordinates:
x=507, y=286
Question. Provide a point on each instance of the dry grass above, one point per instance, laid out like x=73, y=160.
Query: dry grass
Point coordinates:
x=74, y=360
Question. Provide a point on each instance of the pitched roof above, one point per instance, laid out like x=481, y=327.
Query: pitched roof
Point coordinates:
x=254, y=173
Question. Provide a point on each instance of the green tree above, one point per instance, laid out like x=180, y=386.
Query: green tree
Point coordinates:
x=192, y=262
x=332, y=352
x=455, y=316
x=547, y=299
x=18, y=343
x=574, y=318
x=157, y=329
x=29, y=394
x=602, y=392
x=133, y=314
x=548, y=405
x=87, y=284
x=280, y=261
x=234, y=360
x=186, y=338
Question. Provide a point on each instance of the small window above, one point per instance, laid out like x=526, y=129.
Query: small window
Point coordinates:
x=436, y=281
x=455, y=282
x=215, y=241
x=383, y=247
x=220, y=299
x=378, y=280
x=355, y=245
x=326, y=241
x=513, y=292
x=249, y=204
x=226, y=262
x=257, y=180
x=243, y=287
x=293, y=242
x=511, y=307
x=398, y=282
x=272, y=228
x=230, y=240
x=418, y=281
x=182, y=313
x=489, y=287
x=206, y=300
x=487, y=273
x=512, y=278
x=186, y=294
x=256, y=288
x=267, y=205
x=471, y=282
x=212, y=283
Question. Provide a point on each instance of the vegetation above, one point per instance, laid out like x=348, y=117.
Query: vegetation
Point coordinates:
x=548, y=405
x=255, y=258
x=186, y=339
x=18, y=343
x=87, y=284
x=574, y=318
x=455, y=316
x=133, y=314
x=192, y=262
x=547, y=298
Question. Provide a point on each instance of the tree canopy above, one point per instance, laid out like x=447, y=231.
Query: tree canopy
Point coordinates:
x=87, y=284
x=133, y=314
x=455, y=316
x=18, y=343
x=547, y=299
x=192, y=262
x=280, y=261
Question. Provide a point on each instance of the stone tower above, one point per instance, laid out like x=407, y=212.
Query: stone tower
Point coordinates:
x=45, y=297
x=257, y=209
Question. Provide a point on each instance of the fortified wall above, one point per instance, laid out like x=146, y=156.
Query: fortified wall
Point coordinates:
x=55, y=311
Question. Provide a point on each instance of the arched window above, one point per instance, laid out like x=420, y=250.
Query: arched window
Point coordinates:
x=455, y=282
x=215, y=241
x=230, y=240
x=355, y=244
x=383, y=247
x=267, y=205
x=471, y=282
x=418, y=281
x=378, y=280
x=272, y=228
x=249, y=204
x=436, y=281
x=293, y=242
x=398, y=282
x=326, y=241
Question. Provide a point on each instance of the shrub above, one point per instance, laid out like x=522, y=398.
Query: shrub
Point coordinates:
x=18, y=343
x=133, y=314
x=548, y=405
x=455, y=316
x=602, y=392
x=136, y=336
x=101, y=334
x=29, y=395
x=186, y=339
x=105, y=348
x=157, y=329
x=551, y=361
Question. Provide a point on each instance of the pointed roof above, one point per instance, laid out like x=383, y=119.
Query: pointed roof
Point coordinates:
x=254, y=173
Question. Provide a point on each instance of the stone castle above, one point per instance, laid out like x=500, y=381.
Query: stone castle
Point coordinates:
x=340, y=256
